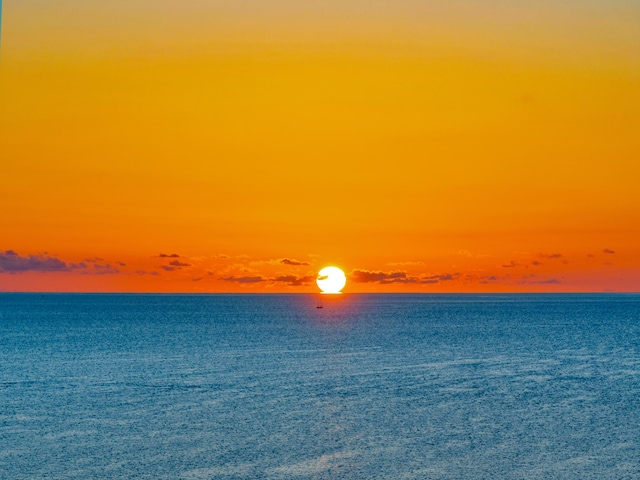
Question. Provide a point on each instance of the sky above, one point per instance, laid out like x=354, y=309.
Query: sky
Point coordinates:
x=240, y=146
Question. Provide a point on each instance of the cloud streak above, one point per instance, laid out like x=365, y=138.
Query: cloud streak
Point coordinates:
x=385, y=278
x=144, y=272
x=250, y=279
x=292, y=261
x=105, y=269
x=279, y=261
x=367, y=276
x=550, y=281
x=291, y=280
x=550, y=255
x=179, y=264
x=294, y=280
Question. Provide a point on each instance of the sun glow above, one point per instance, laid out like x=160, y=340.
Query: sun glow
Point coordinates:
x=331, y=280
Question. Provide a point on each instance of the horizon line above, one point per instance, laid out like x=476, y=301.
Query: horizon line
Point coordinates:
x=48, y=292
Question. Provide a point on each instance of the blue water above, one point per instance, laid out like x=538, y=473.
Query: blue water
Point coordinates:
x=271, y=387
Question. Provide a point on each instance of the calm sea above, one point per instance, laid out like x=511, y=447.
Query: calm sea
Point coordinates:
x=271, y=387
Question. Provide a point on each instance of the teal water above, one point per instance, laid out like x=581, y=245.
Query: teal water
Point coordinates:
x=271, y=387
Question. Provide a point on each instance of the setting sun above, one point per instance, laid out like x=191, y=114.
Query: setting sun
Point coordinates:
x=331, y=280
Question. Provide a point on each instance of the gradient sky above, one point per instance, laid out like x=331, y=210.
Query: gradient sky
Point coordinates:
x=213, y=146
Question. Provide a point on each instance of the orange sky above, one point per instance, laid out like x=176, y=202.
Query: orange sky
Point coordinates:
x=420, y=146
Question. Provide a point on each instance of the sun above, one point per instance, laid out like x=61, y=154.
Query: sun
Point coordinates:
x=331, y=280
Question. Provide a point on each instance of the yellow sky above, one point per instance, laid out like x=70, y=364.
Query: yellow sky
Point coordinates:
x=382, y=137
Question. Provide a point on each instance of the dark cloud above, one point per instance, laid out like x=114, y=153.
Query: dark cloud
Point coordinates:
x=384, y=278
x=292, y=261
x=551, y=281
x=488, y=280
x=105, y=269
x=167, y=268
x=197, y=279
x=536, y=263
x=169, y=255
x=11, y=262
x=550, y=255
x=511, y=264
x=366, y=276
x=256, y=279
x=427, y=279
x=144, y=272
x=609, y=251
x=294, y=280
x=94, y=260
x=179, y=264
x=122, y=264
x=441, y=278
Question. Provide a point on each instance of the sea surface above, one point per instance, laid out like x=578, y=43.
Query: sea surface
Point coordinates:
x=272, y=387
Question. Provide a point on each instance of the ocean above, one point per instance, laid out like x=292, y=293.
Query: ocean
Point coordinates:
x=272, y=387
